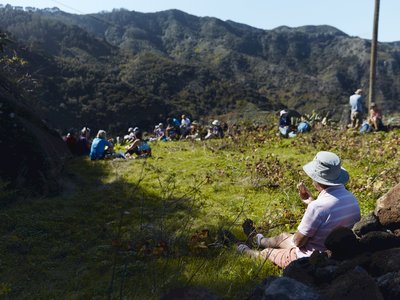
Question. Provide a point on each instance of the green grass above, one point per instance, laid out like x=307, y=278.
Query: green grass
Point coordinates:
x=134, y=229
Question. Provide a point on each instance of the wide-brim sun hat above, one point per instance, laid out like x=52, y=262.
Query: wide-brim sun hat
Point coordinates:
x=326, y=169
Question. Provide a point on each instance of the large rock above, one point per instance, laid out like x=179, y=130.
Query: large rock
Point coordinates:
x=385, y=261
x=343, y=243
x=190, y=293
x=388, y=208
x=367, y=224
x=356, y=284
x=312, y=271
x=301, y=270
x=285, y=288
x=34, y=155
x=389, y=285
x=379, y=240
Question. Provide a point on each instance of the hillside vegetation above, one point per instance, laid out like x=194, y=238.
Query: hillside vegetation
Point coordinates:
x=123, y=68
x=134, y=229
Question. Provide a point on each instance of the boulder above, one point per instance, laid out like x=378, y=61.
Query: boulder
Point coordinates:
x=385, y=261
x=389, y=285
x=367, y=224
x=312, y=271
x=388, y=208
x=190, y=293
x=301, y=270
x=34, y=155
x=258, y=292
x=355, y=284
x=284, y=288
x=379, y=240
x=342, y=243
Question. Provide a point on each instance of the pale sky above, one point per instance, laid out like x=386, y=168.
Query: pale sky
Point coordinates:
x=354, y=17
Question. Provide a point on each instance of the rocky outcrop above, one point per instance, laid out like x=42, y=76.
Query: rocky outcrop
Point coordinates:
x=190, y=293
x=277, y=288
x=32, y=154
x=362, y=263
x=388, y=209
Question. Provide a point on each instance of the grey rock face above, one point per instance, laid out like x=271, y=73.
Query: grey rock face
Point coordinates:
x=285, y=288
x=388, y=208
x=343, y=243
x=367, y=224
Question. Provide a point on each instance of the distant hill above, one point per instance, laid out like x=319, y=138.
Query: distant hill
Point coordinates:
x=123, y=68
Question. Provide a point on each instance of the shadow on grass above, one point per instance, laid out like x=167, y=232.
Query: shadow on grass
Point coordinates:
x=112, y=236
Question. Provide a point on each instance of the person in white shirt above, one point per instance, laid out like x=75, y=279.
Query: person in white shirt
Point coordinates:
x=335, y=206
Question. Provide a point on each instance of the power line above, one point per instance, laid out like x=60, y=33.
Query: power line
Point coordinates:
x=69, y=7
x=89, y=15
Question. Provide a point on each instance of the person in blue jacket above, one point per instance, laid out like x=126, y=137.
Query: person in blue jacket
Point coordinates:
x=100, y=146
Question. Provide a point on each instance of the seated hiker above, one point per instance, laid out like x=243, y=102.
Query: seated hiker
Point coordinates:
x=131, y=134
x=173, y=129
x=335, y=206
x=101, y=148
x=159, y=132
x=71, y=141
x=184, y=126
x=194, y=133
x=285, y=124
x=375, y=118
x=303, y=126
x=138, y=147
x=366, y=127
x=83, y=144
x=215, y=131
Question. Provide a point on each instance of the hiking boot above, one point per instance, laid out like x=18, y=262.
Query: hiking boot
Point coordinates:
x=228, y=238
x=248, y=227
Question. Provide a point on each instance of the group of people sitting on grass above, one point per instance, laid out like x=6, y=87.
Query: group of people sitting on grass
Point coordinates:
x=186, y=130
x=291, y=123
x=103, y=148
x=78, y=142
x=135, y=144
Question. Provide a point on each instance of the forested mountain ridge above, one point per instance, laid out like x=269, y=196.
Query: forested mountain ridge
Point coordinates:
x=120, y=68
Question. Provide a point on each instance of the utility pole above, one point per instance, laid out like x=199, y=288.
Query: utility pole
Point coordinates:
x=374, y=48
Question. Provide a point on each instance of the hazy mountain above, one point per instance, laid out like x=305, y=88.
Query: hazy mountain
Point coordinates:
x=128, y=68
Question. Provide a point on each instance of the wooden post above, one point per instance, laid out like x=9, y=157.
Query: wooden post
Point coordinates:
x=374, y=47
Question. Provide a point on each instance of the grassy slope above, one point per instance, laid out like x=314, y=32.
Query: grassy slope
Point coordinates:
x=140, y=221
